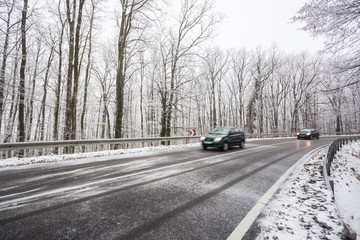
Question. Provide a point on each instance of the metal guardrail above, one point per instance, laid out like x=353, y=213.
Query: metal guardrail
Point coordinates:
x=263, y=135
x=59, y=147
x=74, y=143
x=332, y=149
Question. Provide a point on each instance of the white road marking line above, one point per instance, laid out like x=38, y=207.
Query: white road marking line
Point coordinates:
x=249, y=219
x=124, y=176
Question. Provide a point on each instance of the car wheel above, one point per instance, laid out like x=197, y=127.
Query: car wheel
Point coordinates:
x=242, y=144
x=225, y=147
x=204, y=147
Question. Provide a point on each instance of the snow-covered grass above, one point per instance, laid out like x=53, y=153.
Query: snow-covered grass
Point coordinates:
x=345, y=171
x=66, y=157
x=304, y=208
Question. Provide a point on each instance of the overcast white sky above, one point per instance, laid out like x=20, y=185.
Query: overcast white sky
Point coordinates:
x=253, y=23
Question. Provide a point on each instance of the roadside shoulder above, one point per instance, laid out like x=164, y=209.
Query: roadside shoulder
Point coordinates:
x=303, y=207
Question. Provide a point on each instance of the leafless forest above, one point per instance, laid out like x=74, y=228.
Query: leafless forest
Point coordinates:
x=93, y=69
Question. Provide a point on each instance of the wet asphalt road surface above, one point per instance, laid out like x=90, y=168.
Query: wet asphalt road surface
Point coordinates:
x=185, y=193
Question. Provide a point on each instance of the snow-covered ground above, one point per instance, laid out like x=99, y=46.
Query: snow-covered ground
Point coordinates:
x=346, y=175
x=304, y=208
x=9, y=162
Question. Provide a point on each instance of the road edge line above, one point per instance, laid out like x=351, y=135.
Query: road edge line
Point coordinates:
x=249, y=219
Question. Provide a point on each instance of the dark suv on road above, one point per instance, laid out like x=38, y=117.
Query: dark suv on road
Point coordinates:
x=224, y=137
x=309, y=133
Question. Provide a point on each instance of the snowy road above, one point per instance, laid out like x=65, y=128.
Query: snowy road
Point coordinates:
x=184, y=193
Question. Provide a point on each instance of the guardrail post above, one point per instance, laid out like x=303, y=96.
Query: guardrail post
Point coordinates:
x=331, y=182
x=328, y=165
x=332, y=153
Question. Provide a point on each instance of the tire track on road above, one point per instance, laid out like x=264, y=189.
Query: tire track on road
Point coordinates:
x=157, y=222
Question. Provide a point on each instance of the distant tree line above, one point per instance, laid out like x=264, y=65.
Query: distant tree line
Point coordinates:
x=62, y=78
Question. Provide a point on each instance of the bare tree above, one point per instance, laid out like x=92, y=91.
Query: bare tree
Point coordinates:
x=337, y=20
x=216, y=65
x=32, y=87
x=6, y=17
x=45, y=93
x=193, y=27
x=106, y=81
x=303, y=77
x=59, y=74
x=70, y=15
x=332, y=90
x=276, y=92
x=87, y=71
x=77, y=67
x=262, y=69
x=240, y=61
x=14, y=101
x=131, y=11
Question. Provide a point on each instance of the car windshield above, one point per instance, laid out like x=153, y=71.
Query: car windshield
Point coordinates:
x=305, y=130
x=220, y=130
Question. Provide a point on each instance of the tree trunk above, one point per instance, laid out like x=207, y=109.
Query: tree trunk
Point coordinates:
x=163, y=115
x=14, y=102
x=120, y=75
x=58, y=87
x=68, y=111
x=142, y=76
x=3, y=64
x=43, y=102
x=76, y=69
x=21, y=115
x=252, y=114
x=261, y=110
x=87, y=75
x=213, y=110
x=103, y=121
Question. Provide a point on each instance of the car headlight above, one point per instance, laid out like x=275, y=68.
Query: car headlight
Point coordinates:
x=308, y=134
x=202, y=138
x=217, y=139
x=297, y=133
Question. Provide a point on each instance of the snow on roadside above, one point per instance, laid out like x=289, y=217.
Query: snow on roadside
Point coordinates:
x=9, y=162
x=345, y=171
x=303, y=208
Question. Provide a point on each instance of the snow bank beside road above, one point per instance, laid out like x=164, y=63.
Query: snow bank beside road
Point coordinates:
x=305, y=209
x=345, y=172
x=9, y=162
